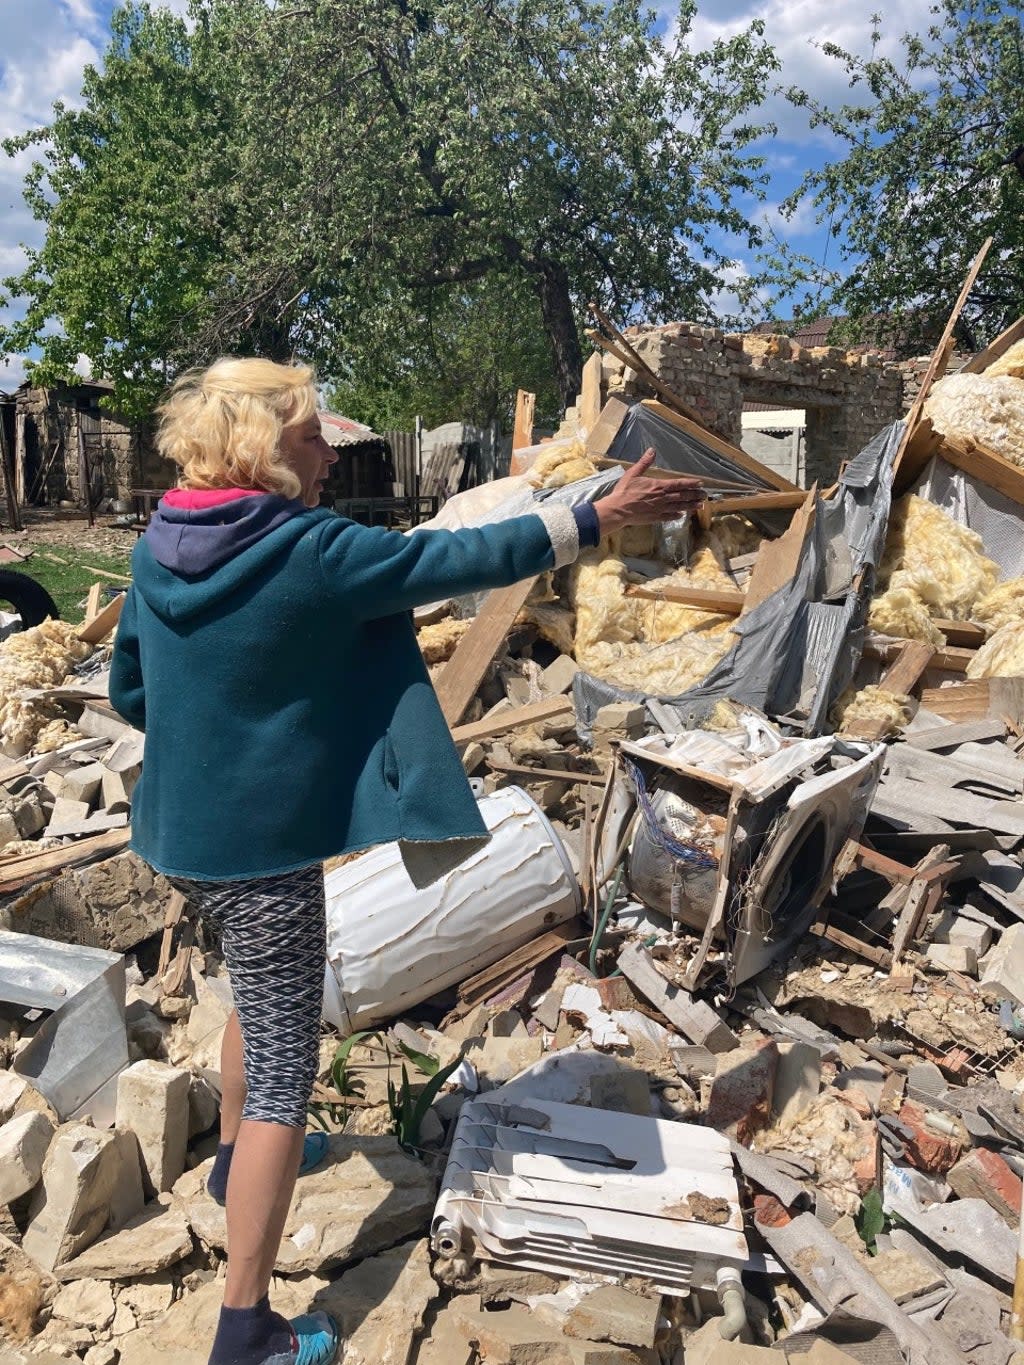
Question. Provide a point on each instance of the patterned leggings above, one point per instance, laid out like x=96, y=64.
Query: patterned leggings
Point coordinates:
x=274, y=935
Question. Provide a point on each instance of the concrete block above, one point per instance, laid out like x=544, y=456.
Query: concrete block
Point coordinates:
x=969, y=933
x=66, y=814
x=83, y=784
x=952, y=957
x=152, y=1103
x=85, y=1303
x=1002, y=970
x=24, y=1142
x=623, y=717
x=797, y=1079
x=71, y=1206
x=114, y=790
x=557, y=677
x=742, y=1090
x=611, y=1313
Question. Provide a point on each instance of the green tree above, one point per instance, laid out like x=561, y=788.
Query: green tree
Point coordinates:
x=372, y=183
x=927, y=176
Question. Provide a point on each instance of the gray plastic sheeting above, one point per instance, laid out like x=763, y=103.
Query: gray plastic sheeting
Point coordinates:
x=799, y=650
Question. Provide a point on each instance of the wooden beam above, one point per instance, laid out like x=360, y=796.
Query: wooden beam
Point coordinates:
x=464, y=672
x=906, y=670
x=879, y=956
x=32, y=867
x=522, y=429
x=964, y=633
x=724, y=448
x=759, y=502
x=985, y=465
x=997, y=348
x=778, y=560
x=93, y=603
x=522, y=960
x=94, y=632
x=524, y=774
x=613, y=414
x=951, y=659
x=976, y=699
x=727, y=601
x=515, y=718
x=940, y=356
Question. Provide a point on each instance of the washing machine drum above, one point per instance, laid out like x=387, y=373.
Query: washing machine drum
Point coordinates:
x=652, y=869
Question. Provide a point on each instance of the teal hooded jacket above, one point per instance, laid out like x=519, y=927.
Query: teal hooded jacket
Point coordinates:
x=268, y=653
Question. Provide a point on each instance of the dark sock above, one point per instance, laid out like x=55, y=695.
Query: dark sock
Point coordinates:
x=248, y=1336
x=217, y=1181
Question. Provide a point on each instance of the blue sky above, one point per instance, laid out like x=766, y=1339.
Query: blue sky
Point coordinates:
x=47, y=43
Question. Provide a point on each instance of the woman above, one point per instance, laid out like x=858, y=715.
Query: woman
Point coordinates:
x=266, y=650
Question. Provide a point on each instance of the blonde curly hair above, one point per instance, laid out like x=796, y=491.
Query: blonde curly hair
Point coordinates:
x=222, y=425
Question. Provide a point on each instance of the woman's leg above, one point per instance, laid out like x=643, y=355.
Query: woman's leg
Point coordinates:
x=274, y=936
x=232, y=1080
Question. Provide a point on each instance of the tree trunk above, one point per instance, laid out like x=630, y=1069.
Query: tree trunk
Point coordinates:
x=552, y=285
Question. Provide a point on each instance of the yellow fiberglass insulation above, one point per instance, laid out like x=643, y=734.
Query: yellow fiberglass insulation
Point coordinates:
x=989, y=410
x=40, y=657
x=732, y=535
x=564, y=462
x=661, y=670
x=1004, y=604
x=604, y=614
x=869, y=706
x=901, y=612
x=55, y=735
x=932, y=556
x=555, y=624
x=1002, y=656
x=662, y=621
x=1011, y=362
x=437, y=641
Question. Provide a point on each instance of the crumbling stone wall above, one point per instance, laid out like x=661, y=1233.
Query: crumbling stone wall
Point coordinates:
x=848, y=396
x=47, y=425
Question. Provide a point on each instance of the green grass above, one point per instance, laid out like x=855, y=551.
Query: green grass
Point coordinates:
x=68, y=583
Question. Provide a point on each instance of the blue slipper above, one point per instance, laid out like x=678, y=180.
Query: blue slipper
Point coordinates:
x=314, y=1151
x=315, y=1341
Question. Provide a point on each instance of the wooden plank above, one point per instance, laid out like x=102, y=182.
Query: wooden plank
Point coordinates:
x=995, y=349
x=464, y=672
x=976, y=699
x=107, y=573
x=97, y=630
x=727, y=601
x=778, y=560
x=759, y=502
x=879, y=956
x=514, y=718
x=904, y=673
x=525, y=774
x=901, y=677
x=32, y=867
x=590, y=397
x=964, y=633
x=696, y=1020
x=951, y=659
x=487, y=982
x=522, y=430
x=93, y=603
x=726, y=449
x=940, y=356
x=613, y=414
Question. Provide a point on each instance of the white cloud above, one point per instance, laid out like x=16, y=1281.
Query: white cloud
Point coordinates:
x=796, y=29
x=11, y=375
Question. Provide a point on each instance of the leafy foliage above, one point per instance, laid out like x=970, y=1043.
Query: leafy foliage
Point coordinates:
x=409, y=194
x=925, y=176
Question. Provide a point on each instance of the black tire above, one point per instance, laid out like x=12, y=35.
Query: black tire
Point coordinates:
x=27, y=597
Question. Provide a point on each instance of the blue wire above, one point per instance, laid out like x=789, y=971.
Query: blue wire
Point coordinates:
x=677, y=851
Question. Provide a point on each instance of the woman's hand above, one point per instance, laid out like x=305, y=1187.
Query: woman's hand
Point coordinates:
x=637, y=501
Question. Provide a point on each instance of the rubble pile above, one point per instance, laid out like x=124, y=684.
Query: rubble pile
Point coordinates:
x=713, y=1053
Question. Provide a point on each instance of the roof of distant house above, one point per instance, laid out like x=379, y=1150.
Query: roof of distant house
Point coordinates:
x=343, y=431
x=817, y=333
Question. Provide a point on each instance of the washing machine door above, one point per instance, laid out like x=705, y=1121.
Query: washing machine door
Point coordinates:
x=693, y=813
x=792, y=873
